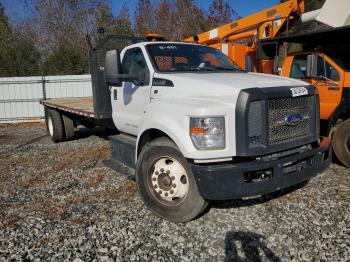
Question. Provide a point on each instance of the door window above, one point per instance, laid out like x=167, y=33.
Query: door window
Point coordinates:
x=134, y=63
x=326, y=70
x=299, y=67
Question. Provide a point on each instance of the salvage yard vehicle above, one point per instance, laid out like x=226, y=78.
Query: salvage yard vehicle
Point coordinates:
x=195, y=127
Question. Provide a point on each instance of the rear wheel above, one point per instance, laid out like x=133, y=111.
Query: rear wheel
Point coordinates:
x=46, y=113
x=166, y=183
x=68, y=125
x=341, y=142
x=55, y=126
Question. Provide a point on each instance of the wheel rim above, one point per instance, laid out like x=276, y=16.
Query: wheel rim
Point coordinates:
x=50, y=126
x=168, y=181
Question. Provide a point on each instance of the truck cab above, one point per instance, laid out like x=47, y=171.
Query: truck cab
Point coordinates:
x=195, y=127
x=329, y=72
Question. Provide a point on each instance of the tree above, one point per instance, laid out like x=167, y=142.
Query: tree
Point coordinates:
x=123, y=23
x=66, y=60
x=18, y=55
x=144, y=18
x=190, y=19
x=60, y=26
x=120, y=25
x=220, y=13
x=165, y=19
x=4, y=24
x=105, y=18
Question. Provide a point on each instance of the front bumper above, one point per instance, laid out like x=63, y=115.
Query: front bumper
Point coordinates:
x=233, y=180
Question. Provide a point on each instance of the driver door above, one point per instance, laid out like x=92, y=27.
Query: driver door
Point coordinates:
x=130, y=100
x=328, y=84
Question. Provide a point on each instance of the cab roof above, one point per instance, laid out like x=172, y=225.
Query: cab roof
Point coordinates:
x=162, y=42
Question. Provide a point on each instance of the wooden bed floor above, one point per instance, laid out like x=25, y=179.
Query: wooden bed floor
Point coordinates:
x=84, y=104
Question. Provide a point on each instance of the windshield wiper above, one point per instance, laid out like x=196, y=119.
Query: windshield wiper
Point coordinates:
x=208, y=68
x=231, y=68
x=201, y=68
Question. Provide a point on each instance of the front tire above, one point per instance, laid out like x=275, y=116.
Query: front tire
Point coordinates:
x=341, y=142
x=166, y=183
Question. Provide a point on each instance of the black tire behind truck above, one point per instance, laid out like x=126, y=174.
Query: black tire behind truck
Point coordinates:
x=341, y=142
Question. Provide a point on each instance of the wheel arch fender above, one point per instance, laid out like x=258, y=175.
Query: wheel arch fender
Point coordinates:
x=152, y=131
x=341, y=112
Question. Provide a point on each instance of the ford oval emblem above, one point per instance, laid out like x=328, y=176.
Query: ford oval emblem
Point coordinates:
x=293, y=119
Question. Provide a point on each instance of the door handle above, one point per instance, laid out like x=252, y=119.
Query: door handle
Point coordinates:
x=115, y=94
x=333, y=88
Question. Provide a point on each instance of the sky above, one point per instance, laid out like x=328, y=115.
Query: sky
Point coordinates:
x=17, y=10
x=242, y=7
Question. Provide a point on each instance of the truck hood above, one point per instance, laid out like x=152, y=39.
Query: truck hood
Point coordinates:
x=221, y=86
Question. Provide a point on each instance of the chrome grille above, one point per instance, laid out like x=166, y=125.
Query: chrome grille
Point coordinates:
x=278, y=109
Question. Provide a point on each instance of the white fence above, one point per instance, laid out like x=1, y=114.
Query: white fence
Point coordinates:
x=20, y=96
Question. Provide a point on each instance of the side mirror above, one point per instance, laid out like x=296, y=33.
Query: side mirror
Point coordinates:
x=112, y=68
x=248, y=63
x=311, y=68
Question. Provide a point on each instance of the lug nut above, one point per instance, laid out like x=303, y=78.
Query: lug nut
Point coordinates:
x=166, y=194
x=168, y=172
x=157, y=173
x=155, y=186
x=171, y=191
x=160, y=192
x=174, y=185
x=154, y=179
x=162, y=170
x=173, y=178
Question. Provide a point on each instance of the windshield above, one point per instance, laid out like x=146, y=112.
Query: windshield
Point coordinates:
x=170, y=57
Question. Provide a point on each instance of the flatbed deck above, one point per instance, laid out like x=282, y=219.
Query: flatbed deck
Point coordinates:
x=80, y=106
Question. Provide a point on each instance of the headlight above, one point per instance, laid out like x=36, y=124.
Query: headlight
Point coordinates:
x=208, y=132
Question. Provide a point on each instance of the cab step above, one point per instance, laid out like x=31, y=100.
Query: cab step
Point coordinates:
x=122, y=159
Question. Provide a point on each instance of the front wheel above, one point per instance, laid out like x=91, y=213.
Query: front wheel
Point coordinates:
x=166, y=183
x=341, y=142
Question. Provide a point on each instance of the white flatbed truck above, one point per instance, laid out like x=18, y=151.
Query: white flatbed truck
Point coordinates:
x=193, y=126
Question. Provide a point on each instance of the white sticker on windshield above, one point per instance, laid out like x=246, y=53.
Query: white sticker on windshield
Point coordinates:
x=171, y=47
x=298, y=91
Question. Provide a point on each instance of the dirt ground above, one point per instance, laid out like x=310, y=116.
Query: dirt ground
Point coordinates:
x=59, y=201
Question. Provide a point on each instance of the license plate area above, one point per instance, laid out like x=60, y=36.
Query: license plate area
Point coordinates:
x=258, y=176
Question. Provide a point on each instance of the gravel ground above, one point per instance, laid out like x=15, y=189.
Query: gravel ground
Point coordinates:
x=59, y=202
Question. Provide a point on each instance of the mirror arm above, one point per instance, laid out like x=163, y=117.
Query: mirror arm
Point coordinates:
x=135, y=79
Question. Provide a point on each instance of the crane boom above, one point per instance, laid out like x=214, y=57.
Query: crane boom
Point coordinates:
x=239, y=39
x=274, y=17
